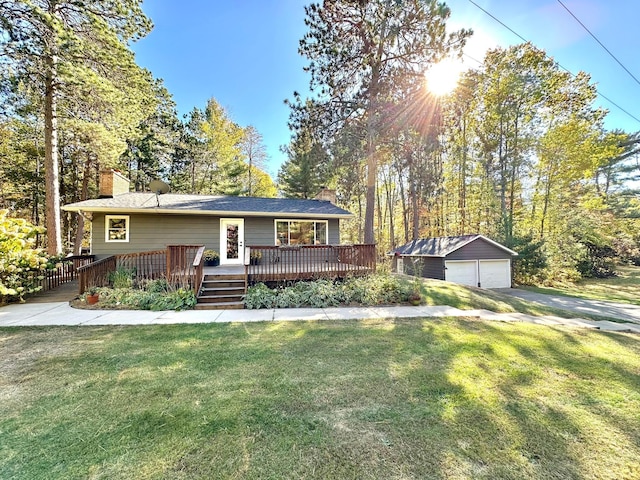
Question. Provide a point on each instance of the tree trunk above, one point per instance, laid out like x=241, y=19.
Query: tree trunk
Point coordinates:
x=84, y=193
x=51, y=162
x=372, y=164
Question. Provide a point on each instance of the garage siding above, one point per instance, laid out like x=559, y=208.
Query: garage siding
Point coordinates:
x=479, y=249
x=419, y=266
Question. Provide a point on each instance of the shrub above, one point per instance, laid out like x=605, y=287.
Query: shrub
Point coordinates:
x=377, y=289
x=122, y=278
x=21, y=264
x=159, y=285
x=260, y=296
x=156, y=295
x=179, y=299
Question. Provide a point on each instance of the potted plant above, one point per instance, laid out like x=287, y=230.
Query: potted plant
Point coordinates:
x=415, y=297
x=211, y=258
x=92, y=296
x=254, y=258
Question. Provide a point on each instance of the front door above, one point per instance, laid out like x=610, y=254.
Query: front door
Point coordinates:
x=231, y=241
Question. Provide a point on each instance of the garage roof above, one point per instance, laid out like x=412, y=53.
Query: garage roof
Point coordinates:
x=443, y=246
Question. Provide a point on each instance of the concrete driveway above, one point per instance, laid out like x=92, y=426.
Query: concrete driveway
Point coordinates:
x=622, y=311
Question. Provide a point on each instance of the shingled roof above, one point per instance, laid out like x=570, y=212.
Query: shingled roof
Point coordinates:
x=209, y=205
x=443, y=246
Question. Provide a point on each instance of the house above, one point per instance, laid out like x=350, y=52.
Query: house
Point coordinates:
x=473, y=260
x=125, y=222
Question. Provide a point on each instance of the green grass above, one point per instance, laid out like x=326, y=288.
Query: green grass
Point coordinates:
x=625, y=288
x=449, y=398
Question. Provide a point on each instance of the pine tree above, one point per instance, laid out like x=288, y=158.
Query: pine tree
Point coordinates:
x=53, y=43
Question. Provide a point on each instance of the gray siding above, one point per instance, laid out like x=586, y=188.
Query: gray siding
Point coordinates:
x=261, y=231
x=479, y=249
x=155, y=232
x=427, y=267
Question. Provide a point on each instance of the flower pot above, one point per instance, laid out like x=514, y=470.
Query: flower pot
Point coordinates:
x=212, y=263
x=415, y=300
x=92, y=299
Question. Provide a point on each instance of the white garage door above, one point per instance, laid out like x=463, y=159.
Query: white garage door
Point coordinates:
x=495, y=273
x=463, y=272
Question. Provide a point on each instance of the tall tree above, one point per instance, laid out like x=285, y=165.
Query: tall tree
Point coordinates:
x=151, y=146
x=210, y=152
x=255, y=154
x=360, y=51
x=48, y=43
x=306, y=169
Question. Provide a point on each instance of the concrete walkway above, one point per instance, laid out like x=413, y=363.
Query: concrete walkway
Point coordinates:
x=60, y=313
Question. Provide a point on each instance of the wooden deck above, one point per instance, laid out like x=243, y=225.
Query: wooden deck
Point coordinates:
x=183, y=265
x=287, y=272
x=309, y=262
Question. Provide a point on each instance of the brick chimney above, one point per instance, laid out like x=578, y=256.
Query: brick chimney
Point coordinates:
x=112, y=183
x=326, y=195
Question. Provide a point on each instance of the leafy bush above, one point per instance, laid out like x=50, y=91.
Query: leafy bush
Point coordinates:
x=377, y=289
x=21, y=264
x=122, y=278
x=179, y=299
x=529, y=265
x=155, y=295
x=260, y=296
x=597, y=262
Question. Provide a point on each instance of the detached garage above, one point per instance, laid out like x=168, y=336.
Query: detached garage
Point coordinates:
x=473, y=260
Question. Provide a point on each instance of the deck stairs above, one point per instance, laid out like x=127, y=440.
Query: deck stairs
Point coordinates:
x=221, y=292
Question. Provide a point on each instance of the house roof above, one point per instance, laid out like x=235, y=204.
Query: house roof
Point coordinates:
x=172, y=203
x=443, y=246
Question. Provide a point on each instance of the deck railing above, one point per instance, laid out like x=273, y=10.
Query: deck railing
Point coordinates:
x=307, y=262
x=180, y=264
x=185, y=265
x=65, y=271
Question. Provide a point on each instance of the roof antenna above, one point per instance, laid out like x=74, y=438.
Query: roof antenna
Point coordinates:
x=159, y=188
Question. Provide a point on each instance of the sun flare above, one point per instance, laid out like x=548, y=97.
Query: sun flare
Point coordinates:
x=442, y=77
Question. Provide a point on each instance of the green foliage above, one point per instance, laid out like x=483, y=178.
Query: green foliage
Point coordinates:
x=154, y=295
x=531, y=261
x=598, y=261
x=85, y=71
x=210, y=255
x=178, y=299
x=377, y=289
x=362, y=56
x=260, y=296
x=306, y=169
x=122, y=278
x=21, y=264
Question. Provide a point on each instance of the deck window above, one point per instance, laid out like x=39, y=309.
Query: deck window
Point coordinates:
x=301, y=232
x=116, y=228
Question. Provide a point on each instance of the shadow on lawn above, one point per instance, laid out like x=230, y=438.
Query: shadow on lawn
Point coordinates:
x=352, y=399
x=562, y=416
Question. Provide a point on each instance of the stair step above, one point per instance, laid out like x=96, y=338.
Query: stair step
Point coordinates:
x=220, y=306
x=224, y=277
x=223, y=285
x=219, y=298
x=224, y=289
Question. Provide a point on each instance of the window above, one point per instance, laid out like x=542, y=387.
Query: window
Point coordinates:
x=301, y=232
x=116, y=228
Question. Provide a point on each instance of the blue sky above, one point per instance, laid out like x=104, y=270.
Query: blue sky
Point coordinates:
x=244, y=52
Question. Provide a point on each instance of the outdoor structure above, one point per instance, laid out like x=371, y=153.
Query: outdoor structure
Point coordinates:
x=127, y=222
x=473, y=260
x=262, y=239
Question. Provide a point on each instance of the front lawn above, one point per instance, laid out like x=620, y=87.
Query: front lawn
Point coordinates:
x=448, y=398
x=624, y=288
